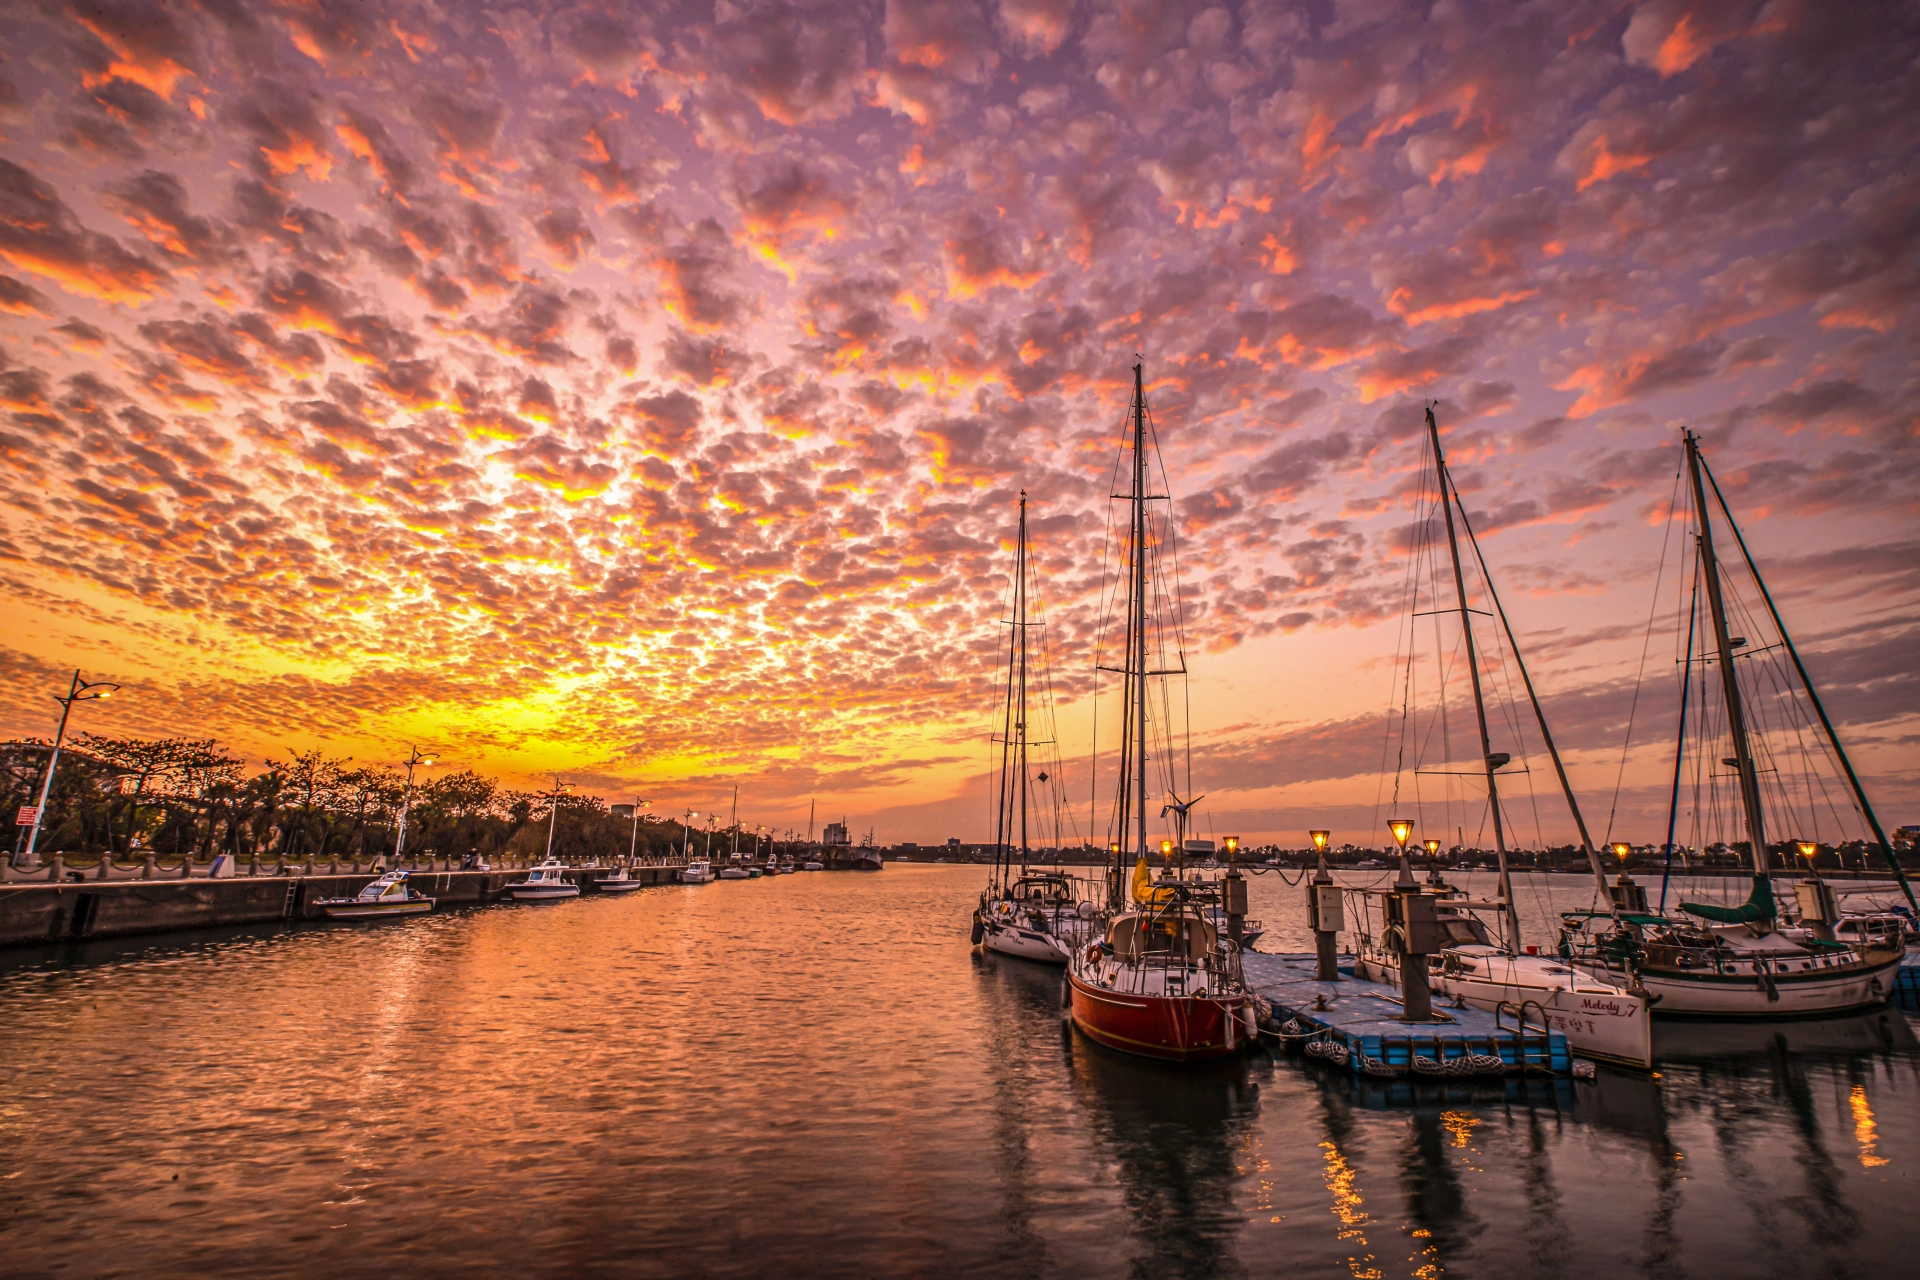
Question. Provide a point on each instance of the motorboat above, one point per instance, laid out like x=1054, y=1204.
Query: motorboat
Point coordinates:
x=618, y=882
x=545, y=882
x=813, y=864
x=787, y=867
x=388, y=895
x=736, y=870
x=697, y=871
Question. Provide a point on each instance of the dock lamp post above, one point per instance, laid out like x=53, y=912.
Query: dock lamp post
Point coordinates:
x=79, y=691
x=686, y=832
x=553, y=809
x=1621, y=849
x=1819, y=905
x=1413, y=928
x=1326, y=912
x=406, y=805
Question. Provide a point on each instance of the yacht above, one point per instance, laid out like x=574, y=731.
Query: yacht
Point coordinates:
x=546, y=882
x=618, y=882
x=390, y=895
x=736, y=870
x=697, y=871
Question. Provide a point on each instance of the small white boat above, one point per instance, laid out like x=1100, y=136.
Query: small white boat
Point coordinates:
x=735, y=870
x=812, y=865
x=545, y=883
x=697, y=871
x=390, y=895
x=618, y=882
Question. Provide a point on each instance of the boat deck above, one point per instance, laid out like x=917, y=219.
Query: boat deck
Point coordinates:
x=1363, y=1020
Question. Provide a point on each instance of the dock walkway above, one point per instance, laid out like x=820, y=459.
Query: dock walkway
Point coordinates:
x=1356, y=1024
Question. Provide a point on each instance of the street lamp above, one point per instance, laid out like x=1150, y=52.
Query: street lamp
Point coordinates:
x=1233, y=846
x=553, y=809
x=1432, y=846
x=1621, y=849
x=400, y=837
x=79, y=691
x=634, y=847
x=1402, y=829
x=1320, y=839
x=1808, y=849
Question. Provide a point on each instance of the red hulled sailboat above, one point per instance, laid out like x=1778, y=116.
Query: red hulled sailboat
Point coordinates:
x=1160, y=980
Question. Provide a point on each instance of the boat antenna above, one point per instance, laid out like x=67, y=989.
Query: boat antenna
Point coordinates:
x=1806, y=681
x=1729, y=679
x=1491, y=761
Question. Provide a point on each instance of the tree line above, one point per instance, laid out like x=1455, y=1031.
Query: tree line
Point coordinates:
x=180, y=797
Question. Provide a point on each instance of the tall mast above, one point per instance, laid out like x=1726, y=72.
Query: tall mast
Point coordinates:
x=1729, y=680
x=1020, y=635
x=1139, y=606
x=1479, y=701
x=1002, y=836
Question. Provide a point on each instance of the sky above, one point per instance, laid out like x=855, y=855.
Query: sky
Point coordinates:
x=643, y=393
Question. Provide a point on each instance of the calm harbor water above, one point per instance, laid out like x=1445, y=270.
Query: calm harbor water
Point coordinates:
x=816, y=1076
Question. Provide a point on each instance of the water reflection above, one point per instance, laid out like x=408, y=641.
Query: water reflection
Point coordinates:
x=1174, y=1132
x=816, y=1076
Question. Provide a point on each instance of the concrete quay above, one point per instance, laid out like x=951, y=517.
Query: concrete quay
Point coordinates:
x=38, y=912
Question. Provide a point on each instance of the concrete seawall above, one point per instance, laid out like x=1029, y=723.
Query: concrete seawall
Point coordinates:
x=41, y=913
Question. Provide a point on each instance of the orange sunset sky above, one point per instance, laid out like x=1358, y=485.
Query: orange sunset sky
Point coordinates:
x=643, y=391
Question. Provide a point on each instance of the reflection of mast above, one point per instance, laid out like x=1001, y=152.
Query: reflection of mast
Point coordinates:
x=1479, y=702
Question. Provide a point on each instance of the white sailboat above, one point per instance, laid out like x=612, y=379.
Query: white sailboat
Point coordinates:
x=1739, y=961
x=1601, y=1017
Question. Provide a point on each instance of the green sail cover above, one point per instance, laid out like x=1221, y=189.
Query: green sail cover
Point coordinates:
x=1758, y=906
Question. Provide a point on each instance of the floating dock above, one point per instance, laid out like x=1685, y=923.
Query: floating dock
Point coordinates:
x=1356, y=1024
x=1906, y=986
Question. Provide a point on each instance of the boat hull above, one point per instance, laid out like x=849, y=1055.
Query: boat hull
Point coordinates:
x=354, y=910
x=1610, y=1026
x=867, y=862
x=1024, y=944
x=1746, y=996
x=1173, y=1028
x=618, y=886
x=545, y=894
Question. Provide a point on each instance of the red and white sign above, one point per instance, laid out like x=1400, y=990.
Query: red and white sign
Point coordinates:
x=27, y=814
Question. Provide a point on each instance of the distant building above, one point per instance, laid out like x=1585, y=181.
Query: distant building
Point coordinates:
x=1908, y=836
x=836, y=833
x=953, y=842
x=911, y=847
x=624, y=812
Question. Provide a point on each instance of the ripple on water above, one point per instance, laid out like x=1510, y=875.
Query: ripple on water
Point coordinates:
x=815, y=1076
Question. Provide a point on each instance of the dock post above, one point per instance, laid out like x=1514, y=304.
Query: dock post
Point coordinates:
x=1413, y=934
x=1326, y=913
x=1234, y=891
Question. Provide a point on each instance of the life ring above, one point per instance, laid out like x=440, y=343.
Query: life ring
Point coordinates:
x=1093, y=953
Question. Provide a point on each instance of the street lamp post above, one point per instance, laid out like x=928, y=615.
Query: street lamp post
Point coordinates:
x=1412, y=929
x=633, y=848
x=78, y=691
x=686, y=834
x=406, y=805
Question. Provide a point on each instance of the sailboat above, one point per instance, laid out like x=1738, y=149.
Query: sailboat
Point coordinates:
x=1034, y=915
x=1601, y=1018
x=1741, y=961
x=1161, y=982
